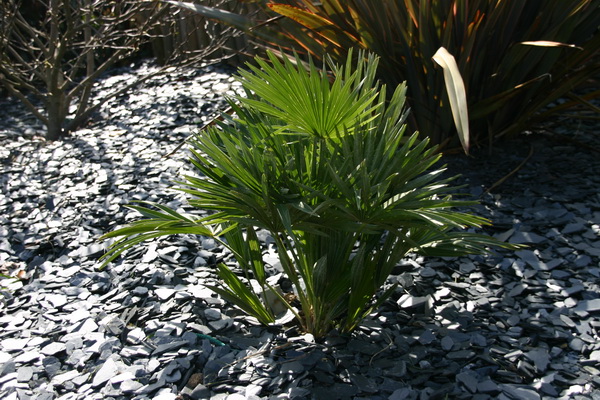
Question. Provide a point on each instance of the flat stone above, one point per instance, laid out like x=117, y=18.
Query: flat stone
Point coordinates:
x=53, y=348
x=364, y=384
x=293, y=368
x=24, y=374
x=427, y=337
x=582, y=261
x=140, y=291
x=487, y=386
x=467, y=267
x=109, y=369
x=65, y=377
x=540, y=358
x=212, y=314
x=403, y=394
x=460, y=355
x=447, y=343
x=164, y=293
x=576, y=227
x=520, y=392
x=531, y=259
x=527, y=237
x=56, y=300
x=12, y=344
x=427, y=272
x=517, y=289
x=87, y=326
x=135, y=336
x=588, y=305
x=221, y=324
x=163, y=348
x=51, y=365
x=594, y=356
x=410, y=301
x=469, y=379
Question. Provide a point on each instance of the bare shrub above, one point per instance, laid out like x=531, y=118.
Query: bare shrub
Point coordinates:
x=52, y=52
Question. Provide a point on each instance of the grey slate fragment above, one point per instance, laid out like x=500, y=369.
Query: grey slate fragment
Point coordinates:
x=460, y=355
x=427, y=272
x=575, y=227
x=526, y=237
x=403, y=394
x=24, y=374
x=518, y=392
x=53, y=348
x=200, y=392
x=163, y=348
x=410, y=301
x=487, y=386
x=364, y=384
x=130, y=386
x=531, y=259
x=109, y=369
x=426, y=337
x=469, y=379
x=7, y=367
x=292, y=368
x=51, y=365
x=447, y=343
x=588, y=305
x=594, y=356
x=540, y=358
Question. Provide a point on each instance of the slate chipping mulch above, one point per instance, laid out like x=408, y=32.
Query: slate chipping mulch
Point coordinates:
x=522, y=325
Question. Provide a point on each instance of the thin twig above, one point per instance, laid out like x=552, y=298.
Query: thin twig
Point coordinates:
x=511, y=173
x=558, y=137
x=206, y=125
x=390, y=343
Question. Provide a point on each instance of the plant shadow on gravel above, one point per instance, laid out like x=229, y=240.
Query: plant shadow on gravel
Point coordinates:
x=536, y=307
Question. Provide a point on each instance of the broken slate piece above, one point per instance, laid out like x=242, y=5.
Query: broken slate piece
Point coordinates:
x=575, y=227
x=520, y=392
x=53, y=348
x=163, y=348
x=540, y=359
x=469, y=379
x=164, y=293
x=447, y=343
x=24, y=374
x=410, y=301
x=109, y=369
x=531, y=259
x=588, y=305
x=526, y=237
x=426, y=337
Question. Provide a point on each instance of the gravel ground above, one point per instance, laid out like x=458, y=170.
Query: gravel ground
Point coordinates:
x=516, y=325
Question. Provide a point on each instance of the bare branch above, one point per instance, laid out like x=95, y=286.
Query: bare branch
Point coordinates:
x=19, y=95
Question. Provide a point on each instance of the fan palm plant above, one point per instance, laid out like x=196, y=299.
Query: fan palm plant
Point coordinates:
x=321, y=161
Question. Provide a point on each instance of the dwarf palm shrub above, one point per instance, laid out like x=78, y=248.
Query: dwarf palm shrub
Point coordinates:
x=322, y=162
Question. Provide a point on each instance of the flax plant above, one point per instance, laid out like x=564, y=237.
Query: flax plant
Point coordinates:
x=516, y=58
x=323, y=163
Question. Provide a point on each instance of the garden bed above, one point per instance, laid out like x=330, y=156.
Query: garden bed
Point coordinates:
x=517, y=325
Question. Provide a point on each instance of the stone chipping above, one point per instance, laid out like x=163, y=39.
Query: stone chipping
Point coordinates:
x=512, y=325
